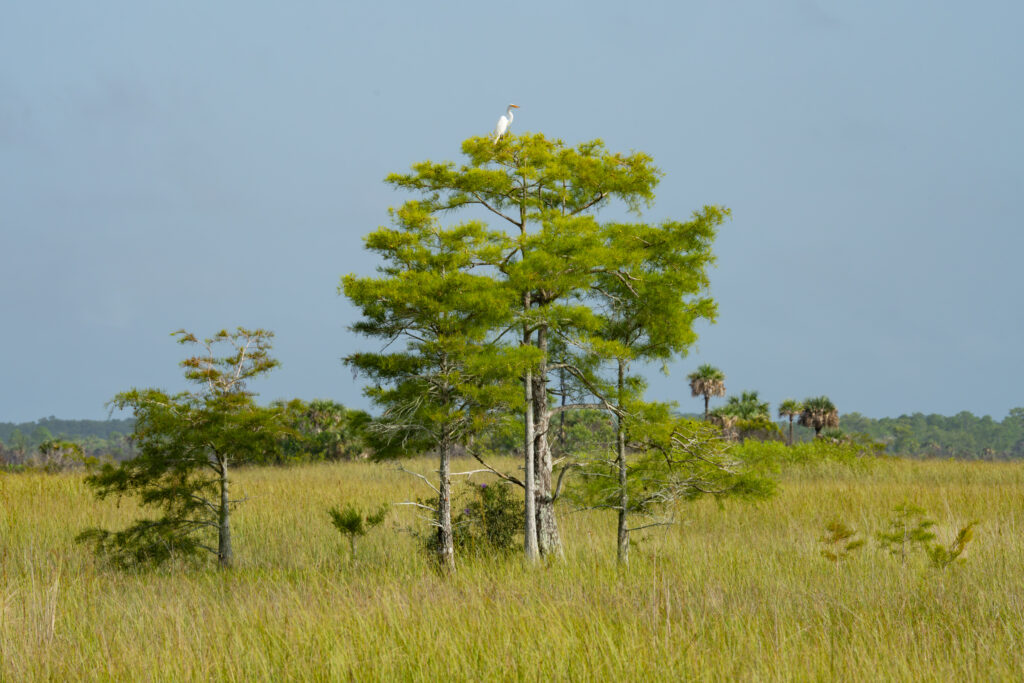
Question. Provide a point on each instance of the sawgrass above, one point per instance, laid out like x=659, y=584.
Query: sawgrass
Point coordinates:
x=737, y=591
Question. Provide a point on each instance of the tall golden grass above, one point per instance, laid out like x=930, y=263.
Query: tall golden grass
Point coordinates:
x=732, y=592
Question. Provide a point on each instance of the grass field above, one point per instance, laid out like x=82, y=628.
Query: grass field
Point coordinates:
x=733, y=592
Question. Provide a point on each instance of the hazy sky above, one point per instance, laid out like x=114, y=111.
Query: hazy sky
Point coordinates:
x=213, y=164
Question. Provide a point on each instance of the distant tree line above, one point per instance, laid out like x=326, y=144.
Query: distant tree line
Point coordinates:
x=317, y=430
x=74, y=429
x=961, y=436
x=33, y=443
x=327, y=430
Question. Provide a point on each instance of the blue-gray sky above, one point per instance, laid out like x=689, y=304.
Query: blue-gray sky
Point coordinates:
x=205, y=165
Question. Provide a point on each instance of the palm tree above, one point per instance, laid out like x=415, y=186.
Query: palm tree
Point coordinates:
x=819, y=413
x=747, y=406
x=724, y=420
x=707, y=381
x=790, y=408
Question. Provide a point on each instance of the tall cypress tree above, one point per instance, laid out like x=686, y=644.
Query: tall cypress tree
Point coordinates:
x=553, y=262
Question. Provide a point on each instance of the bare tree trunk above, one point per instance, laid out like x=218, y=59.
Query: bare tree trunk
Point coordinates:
x=790, y=430
x=225, y=557
x=620, y=439
x=530, y=546
x=548, y=540
x=707, y=397
x=446, y=544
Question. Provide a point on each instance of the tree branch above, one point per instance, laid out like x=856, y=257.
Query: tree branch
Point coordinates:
x=466, y=474
x=416, y=474
x=589, y=204
x=561, y=477
x=500, y=475
x=645, y=526
x=480, y=200
x=419, y=505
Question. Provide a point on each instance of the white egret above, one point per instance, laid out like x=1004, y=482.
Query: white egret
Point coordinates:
x=504, y=122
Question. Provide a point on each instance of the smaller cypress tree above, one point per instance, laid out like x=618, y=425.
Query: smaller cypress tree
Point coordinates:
x=186, y=446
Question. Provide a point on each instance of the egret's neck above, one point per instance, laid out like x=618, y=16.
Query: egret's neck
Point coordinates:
x=508, y=113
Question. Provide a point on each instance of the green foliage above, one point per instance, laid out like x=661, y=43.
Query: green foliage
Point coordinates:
x=185, y=444
x=669, y=461
x=440, y=380
x=770, y=455
x=353, y=523
x=490, y=519
x=839, y=540
x=321, y=430
x=147, y=543
x=759, y=428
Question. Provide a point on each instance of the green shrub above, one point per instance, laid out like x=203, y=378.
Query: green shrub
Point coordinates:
x=490, y=520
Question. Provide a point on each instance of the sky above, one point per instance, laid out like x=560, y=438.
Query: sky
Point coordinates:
x=205, y=165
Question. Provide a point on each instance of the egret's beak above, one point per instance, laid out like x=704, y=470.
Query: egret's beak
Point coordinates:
x=516, y=106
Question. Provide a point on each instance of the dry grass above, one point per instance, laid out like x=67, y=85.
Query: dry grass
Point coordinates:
x=738, y=592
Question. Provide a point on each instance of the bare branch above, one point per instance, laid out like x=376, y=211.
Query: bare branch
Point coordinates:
x=645, y=526
x=500, y=475
x=417, y=474
x=466, y=474
x=419, y=505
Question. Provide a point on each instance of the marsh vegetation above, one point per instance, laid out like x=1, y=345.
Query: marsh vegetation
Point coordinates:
x=736, y=591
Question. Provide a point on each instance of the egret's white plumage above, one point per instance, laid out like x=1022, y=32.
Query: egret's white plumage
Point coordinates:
x=504, y=122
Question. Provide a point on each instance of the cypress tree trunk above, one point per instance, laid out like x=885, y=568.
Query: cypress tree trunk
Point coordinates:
x=548, y=539
x=530, y=546
x=620, y=439
x=224, y=555
x=446, y=545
